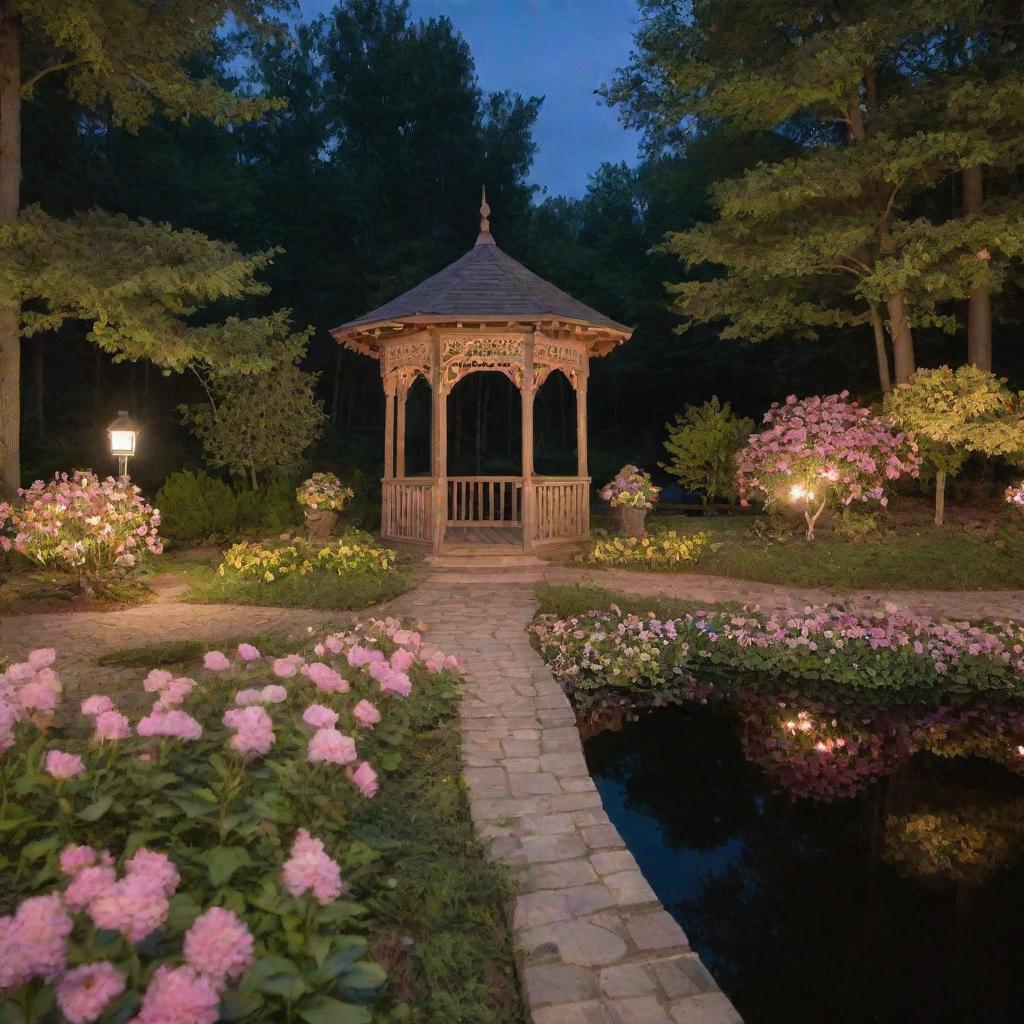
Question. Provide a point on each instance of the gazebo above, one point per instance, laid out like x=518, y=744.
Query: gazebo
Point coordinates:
x=483, y=313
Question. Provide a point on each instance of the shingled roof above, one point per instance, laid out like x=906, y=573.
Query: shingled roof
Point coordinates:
x=485, y=284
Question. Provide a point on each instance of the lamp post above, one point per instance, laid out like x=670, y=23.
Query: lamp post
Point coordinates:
x=122, y=433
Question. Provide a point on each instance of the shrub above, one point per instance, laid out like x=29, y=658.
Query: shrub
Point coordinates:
x=323, y=491
x=354, y=552
x=631, y=488
x=818, y=452
x=952, y=413
x=82, y=524
x=662, y=550
x=210, y=852
x=196, y=506
x=703, y=443
x=271, y=508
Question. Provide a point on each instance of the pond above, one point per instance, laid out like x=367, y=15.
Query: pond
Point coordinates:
x=832, y=865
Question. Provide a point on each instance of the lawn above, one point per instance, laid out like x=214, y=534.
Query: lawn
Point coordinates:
x=28, y=590
x=912, y=555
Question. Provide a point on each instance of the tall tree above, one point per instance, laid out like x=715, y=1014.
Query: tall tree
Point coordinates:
x=126, y=59
x=837, y=230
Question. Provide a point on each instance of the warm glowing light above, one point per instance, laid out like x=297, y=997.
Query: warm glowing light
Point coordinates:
x=1020, y=750
x=122, y=442
x=798, y=492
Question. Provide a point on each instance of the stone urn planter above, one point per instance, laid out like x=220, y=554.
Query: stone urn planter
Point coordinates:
x=633, y=520
x=319, y=523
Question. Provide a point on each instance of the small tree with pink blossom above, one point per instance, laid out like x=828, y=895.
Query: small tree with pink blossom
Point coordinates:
x=826, y=451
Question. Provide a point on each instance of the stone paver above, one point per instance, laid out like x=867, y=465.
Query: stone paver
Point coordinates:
x=595, y=945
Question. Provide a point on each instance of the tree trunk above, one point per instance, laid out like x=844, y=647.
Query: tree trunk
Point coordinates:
x=881, y=354
x=979, y=301
x=940, y=496
x=10, y=200
x=902, y=338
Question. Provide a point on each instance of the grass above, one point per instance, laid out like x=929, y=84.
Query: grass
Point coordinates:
x=178, y=652
x=33, y=591
x=906, y=557
x=565, y=601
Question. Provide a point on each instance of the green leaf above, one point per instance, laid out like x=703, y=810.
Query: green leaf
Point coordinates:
x=39, y=849
x=11, y=1013
x=235, y=1005
x=96, y=810
x=362, y=980
x=276, y=975
x=183, y=911
x=345, y=951
x=224, y=861
x=339, y=912
x=325, y=1010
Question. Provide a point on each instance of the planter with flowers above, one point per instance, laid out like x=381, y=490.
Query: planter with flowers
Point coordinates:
x=1015, y=497
x=632, y=495
x=322, y=497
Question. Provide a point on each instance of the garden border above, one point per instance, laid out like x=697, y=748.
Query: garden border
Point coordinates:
x=595, y=945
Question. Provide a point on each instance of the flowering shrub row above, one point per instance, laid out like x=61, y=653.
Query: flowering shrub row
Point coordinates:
x=323, y=492
x=81, y=524
x=202, y=863
x=888, y=653
x=665, y=549
x=354, y=552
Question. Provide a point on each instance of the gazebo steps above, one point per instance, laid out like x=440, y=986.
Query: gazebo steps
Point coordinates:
x=481, y=556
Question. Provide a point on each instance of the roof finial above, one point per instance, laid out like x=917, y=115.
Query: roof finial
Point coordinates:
x=484, y=238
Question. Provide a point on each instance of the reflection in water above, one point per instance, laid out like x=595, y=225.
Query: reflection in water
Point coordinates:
x=833, y=864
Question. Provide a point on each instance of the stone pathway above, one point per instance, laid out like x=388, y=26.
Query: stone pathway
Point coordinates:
x=596, y=946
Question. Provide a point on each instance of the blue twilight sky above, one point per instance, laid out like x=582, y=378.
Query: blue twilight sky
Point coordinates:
x=559, y=49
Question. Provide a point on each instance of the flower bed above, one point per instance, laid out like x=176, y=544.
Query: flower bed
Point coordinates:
x=214, y=859
x=354, y=552
x=81, y=524
x=665, y=549
x=891, y=655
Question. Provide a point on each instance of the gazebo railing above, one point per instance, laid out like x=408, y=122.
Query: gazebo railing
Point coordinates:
x=485, y=501
x=407, y=508
x=562, y=507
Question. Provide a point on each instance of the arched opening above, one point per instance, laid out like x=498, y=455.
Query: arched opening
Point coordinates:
x=417, y=428
x=554, y=426
x=485, y=426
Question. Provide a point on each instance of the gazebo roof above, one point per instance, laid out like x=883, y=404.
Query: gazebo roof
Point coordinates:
x=485, y=285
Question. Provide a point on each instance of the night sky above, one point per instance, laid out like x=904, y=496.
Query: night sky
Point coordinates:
x=559, y=49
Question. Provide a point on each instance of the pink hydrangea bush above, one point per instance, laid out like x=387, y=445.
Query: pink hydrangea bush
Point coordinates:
x=82, y=524
x=228, y=811
x=1015, y=497
x=824, y=451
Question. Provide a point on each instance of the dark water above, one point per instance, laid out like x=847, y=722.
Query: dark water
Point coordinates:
x=896, y=896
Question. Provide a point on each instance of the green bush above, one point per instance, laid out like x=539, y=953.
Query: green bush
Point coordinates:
x=272, y=508
x=196, y=506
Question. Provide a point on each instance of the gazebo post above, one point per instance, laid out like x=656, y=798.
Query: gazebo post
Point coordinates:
x=439, y=445
x=581, y=421
x=389, y=429
x=529, y=512
x=403, y=394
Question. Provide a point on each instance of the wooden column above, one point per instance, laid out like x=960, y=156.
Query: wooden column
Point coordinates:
x=389, y=429
x=529, y=508
x=581, y=422
x=439, y=445
x=403, y=394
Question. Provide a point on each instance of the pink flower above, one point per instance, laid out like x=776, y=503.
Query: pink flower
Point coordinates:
x=97, y=704
x=34, y=941
x=112, y=725
x=135, y=906
x=89, y=884
x=273, y=694
x=85, y=992
x=177, y=724
x=248, y=653
x=248, y=696
x=333, y=644
x=285, y=668
x=320, y=717
x=219, y=944
x=175, y=692
x=329, y=745
x=358, y=656
x=401, y=660
x=396, y=682
x=310, y=869
x=157, y=679
x=365, y=780
x=74, y=858
x=326, y=678
x=62, y=765
x=366, y=714
x=255, y=729
x=154, y=867
x=215, y=661
x=42, y=657
x=37, y=696
x=179, y=995
x=450, y=661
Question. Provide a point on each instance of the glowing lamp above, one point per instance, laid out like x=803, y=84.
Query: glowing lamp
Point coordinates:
x=798, y=492
x=123, y=433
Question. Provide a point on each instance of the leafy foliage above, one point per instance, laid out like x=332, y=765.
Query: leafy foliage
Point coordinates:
x=195, y=506
x=257, y=425
x=703, y=443
x=663, y=549
x=355, y=551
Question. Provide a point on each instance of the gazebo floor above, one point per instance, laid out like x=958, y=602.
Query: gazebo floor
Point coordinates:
x=493, y=536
